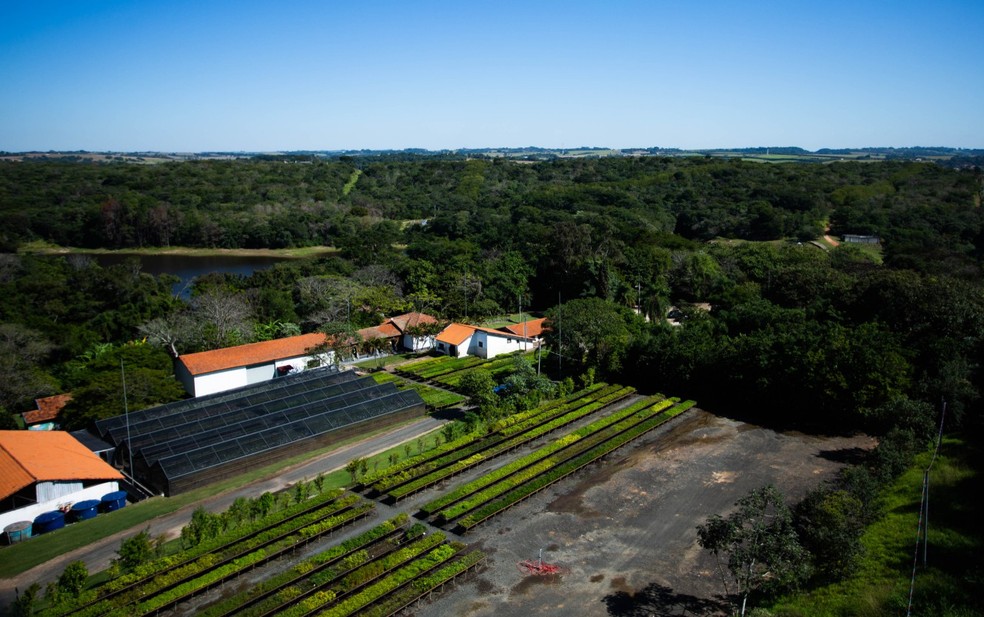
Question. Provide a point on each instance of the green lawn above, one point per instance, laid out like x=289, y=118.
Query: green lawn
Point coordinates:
x=949, y=584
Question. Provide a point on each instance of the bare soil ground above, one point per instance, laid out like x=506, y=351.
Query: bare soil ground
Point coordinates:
x=624, y=529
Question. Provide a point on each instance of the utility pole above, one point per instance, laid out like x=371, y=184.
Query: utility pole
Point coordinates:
x=560, y=338
x=126, y=414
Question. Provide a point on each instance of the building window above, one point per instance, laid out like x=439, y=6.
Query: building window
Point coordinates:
x=481, y=344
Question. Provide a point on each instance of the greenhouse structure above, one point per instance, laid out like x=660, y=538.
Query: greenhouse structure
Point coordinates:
x=183, y=445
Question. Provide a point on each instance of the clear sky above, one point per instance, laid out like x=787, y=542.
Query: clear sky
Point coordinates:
x=266, y=75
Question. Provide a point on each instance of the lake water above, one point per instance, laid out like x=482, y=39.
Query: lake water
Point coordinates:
x=187, y=267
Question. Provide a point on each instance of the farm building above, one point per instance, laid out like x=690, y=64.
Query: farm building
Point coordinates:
x=859, y=239
x=44, y=471
x=45, y=417
x=208, y=372
x=460, y=339
x=183, y=445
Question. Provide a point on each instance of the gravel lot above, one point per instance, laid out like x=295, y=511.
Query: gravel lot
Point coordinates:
x=623, y=530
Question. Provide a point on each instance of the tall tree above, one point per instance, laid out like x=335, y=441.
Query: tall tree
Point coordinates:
x=24, y=352
x=592, y=332
x=757, y=544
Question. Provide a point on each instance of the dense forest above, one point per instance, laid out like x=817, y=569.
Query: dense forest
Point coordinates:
x=771, y=320
x=843, y=330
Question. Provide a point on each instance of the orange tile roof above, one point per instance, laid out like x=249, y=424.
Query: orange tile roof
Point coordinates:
x=456, y=334
x=27, y=457
x=252, y=353
x=408, y=320
x=48, y=409
x=387, y=330
x=533, y=328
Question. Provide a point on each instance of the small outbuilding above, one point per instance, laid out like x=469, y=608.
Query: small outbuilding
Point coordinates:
x=45, y=471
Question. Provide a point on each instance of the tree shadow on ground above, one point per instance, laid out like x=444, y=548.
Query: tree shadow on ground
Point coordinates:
x=658, y=601
x=849, y=456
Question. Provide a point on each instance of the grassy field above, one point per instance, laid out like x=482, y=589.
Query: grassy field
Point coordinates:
x=949, y=584
x=46, y=248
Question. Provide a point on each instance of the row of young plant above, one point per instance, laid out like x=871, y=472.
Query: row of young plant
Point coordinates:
x=534, y=426
x=434, y=398
x=508, y=439
x=221, y=543
x=550, y=456
x=266, y=595
x=500, y=367
x=287, y=533
x=348, y=584
x=397, y=601
x=451, y=445
x=538, y=483
x=493, y=444
x=394, y=582
x=653, y=404
x=522, y=416
x=212, y=577
x=428, y=369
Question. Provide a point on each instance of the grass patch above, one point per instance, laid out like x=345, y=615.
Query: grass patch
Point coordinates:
x=384, y=361
x=351, y=182
x=46, y=248
x=25, y=555
x=948, y=585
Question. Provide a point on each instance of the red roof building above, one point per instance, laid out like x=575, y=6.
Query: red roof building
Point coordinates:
x=45, y=470
x=47, y=412
x=219, y=370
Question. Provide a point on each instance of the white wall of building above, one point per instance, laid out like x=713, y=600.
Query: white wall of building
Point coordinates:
x=489, y=345
x=417, y=343
x=460, y=351
x=28, y=513
x=240, y=376
x=220, y=381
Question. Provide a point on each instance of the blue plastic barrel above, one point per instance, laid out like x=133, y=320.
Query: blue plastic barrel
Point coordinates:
x=17, y=532
x=84, y=510
x=49, y=521
x=113, y=501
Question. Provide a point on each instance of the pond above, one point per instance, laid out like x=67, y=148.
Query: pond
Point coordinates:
x=187, y=267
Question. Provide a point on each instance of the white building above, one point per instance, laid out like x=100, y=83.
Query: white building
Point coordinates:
x=460, y=339
x=208, y=372
x=42, y=471
x=219, y=370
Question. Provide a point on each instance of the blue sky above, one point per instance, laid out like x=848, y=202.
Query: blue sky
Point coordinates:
x=251, y=75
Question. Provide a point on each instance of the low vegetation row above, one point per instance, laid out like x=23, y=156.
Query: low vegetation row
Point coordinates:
x=213, y=541
x=398, y=486
x=533, y=483
x=498, y=368
x=434, y=398
x=654, y=404
x=192, y=585
x=441, y=365
x=378, y=573
x=500, y=445
x=453, y=443
x=326, y=565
